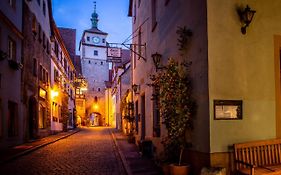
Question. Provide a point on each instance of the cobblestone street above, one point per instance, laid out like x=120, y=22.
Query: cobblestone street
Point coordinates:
x=90, y=151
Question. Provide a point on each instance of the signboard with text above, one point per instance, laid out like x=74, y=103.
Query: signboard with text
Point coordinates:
x=114, y=52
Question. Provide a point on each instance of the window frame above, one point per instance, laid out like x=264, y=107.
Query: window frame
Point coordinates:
x=12, y=49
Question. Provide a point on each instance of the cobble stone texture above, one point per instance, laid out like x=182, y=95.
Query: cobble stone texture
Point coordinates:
x=90, y=151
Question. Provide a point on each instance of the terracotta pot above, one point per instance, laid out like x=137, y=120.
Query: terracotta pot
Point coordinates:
x=165, y=169
x=179, y=170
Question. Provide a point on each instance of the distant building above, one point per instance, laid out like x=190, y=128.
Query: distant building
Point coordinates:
x=121, y=82
x=12, y=122
x=95, y=69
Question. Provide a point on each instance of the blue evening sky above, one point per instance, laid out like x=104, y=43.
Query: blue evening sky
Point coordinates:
x=113, y=17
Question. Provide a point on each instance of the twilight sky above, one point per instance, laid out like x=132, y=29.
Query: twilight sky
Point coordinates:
x=113, y=17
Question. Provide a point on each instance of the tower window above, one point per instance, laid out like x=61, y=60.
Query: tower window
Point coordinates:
x=103, y=40
x=99, y=89
x=88, y=38
x=89, y=62
x=96, y=53
x=101, y=63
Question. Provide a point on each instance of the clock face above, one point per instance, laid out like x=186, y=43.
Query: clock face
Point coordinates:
x=96, y=39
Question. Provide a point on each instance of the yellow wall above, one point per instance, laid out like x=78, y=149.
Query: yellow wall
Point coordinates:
x=242, y=67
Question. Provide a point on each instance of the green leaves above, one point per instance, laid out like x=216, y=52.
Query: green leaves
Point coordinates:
x=176, y=104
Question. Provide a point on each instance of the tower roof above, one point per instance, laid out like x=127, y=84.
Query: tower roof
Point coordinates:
x=95, y=16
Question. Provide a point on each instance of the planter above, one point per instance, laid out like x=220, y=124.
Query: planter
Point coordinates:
x=165, y=169
x=179, y=170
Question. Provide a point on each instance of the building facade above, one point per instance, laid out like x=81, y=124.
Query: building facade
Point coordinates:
x=11, y=109
x=95, y=68
x=62, y=85
x=227, y=67
x=37, y=66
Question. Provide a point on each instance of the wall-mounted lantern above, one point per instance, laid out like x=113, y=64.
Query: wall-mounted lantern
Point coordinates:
x=246, y=17
x=156, y=60
x=136, y=88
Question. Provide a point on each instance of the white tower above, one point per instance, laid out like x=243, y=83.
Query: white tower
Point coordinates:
x=95, y=69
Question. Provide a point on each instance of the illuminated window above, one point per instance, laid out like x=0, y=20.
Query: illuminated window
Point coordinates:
x=34, y=25
x=42, y=117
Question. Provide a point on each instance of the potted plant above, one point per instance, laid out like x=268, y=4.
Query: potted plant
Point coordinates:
x=176, y=109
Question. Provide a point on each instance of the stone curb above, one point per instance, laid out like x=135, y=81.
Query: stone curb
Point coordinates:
x=37, y=147
x=124, y=161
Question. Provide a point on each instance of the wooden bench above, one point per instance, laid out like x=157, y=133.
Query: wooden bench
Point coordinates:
x=258, y=157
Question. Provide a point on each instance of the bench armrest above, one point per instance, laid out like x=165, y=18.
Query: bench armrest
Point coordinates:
x=251, y=166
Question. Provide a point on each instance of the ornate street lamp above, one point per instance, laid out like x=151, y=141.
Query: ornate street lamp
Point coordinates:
x=156, y=60
x=136, y=88
x=246, y=17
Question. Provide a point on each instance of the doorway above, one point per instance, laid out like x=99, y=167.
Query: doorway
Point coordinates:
x=32, y=111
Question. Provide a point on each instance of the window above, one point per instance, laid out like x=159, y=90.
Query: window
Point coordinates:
x=48, y=46
x=56, y=49
x=40, y=72
x=101, y=63
x=166, y=2
x=34, y=25
x=99, y=89
x=65, y=64
x=139, y=3
x=153, y=14
x=96, y=53
x=96, y=99
x=12, y=119
x=12, y=3
x=39, y=33
x=42, y=117
x=134, y=56
x=34, y=69
x=44, y=8
x=88, y=38
x=12, y=49
x=0, y=82
x=139, y=43
x=103, y=40
x=47, y=77
x=89, y=61
x=38, y=1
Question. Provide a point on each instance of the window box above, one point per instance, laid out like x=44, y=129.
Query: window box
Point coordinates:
x=15, y=65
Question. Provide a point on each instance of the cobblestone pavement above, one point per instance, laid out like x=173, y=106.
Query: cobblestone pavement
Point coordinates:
x=90, y=151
